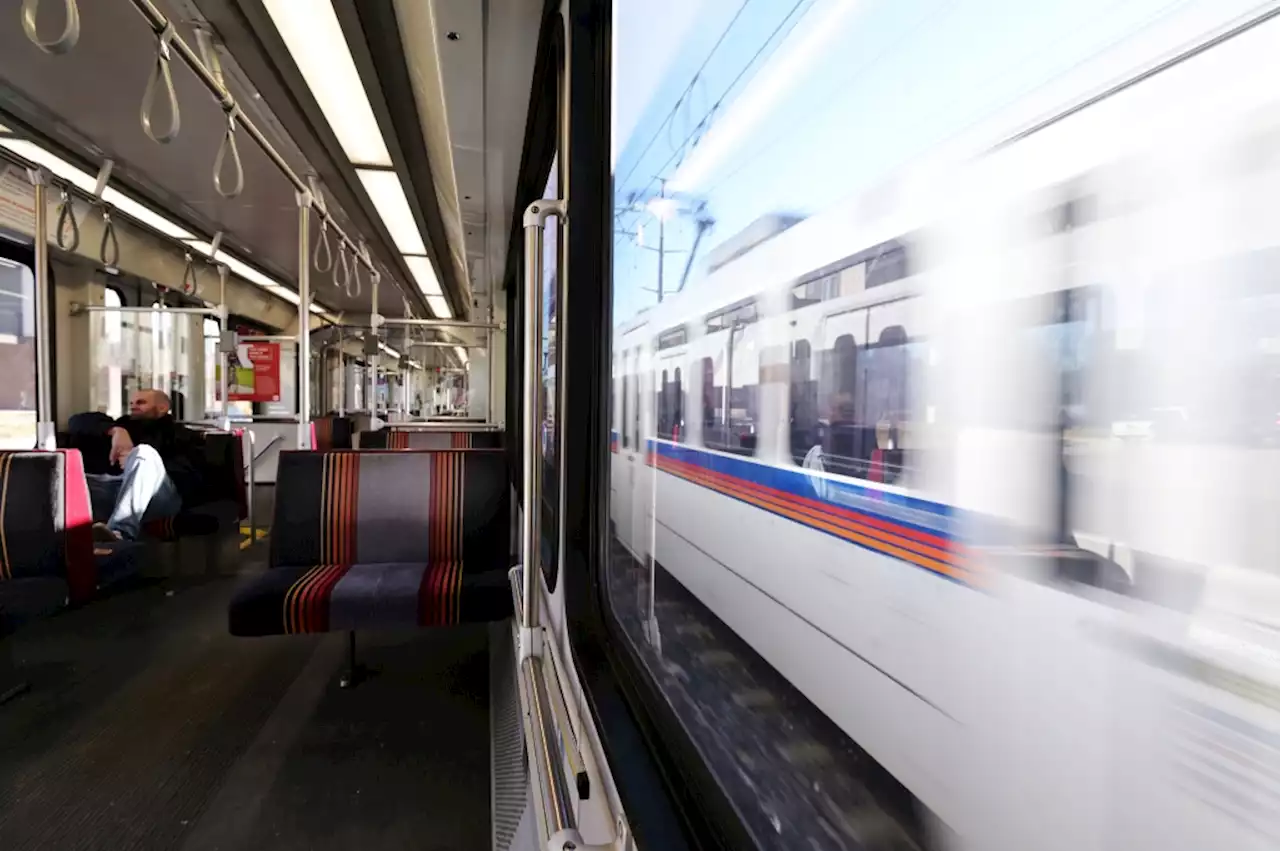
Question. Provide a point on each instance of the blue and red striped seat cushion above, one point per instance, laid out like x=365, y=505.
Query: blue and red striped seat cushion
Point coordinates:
x=366, y=540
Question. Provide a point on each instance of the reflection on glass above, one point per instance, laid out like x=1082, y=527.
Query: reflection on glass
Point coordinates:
x=896, y=410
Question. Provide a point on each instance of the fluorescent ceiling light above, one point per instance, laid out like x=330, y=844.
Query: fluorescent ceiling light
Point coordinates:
x=389, y=200
x=65, y=171
x=314, y=38
x=439, y=307
x=425, y=274
x=317, y=309
x=389, y=350
x=461, y=353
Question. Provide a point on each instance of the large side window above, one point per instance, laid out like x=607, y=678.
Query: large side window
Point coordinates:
x=735, y=393
x=803, y=410
x=626, y=395
x=17, y=355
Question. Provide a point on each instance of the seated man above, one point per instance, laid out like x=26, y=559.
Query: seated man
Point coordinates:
x=161, y=464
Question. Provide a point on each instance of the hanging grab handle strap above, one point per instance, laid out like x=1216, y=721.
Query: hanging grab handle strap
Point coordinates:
x=354, y=278
x=229, y=145
x=67, y=215
x=70, y=30
x=108, y=238
x=341, y=272
x=190, y=284
x=161, y=75
x=323, y=243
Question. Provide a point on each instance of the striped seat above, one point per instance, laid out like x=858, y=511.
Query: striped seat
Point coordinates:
x=379, y=540
x=393, y=438
x=47, y=555
x=331, y=432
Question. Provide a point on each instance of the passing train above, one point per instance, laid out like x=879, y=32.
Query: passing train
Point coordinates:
x=983, y=462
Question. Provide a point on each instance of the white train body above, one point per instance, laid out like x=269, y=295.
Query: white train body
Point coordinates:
x=925, y=611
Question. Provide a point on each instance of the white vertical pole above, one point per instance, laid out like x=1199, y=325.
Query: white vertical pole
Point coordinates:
x=304, y=320
x=45, y=431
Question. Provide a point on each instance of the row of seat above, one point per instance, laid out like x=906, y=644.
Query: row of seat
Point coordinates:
x=48, y=557
x=335, y=432
x=376, y=539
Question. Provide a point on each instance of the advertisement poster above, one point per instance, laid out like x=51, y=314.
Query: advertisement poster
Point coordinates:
x=255, y=373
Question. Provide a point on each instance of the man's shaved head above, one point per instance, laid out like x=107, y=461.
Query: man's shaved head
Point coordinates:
x=149, y=404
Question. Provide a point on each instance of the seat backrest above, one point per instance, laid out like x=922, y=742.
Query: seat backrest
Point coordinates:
x=87, y=432
x=224, y=468
x=47, y=520
x=332, y=432
x=359, y=507
x=394, y=438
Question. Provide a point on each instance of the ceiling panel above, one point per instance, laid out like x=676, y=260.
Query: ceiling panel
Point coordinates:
x=88, y=100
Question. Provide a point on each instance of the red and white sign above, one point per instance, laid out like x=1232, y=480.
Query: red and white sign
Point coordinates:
x=255, y=377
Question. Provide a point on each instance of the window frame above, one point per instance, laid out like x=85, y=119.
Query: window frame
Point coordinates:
x=671, y=799
x=25, y=255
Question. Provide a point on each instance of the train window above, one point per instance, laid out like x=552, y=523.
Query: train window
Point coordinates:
x=803, y=411
x=677, y=403
x=636, y=381
x=734, y=394
x=107, y=391
x=672, y=338
x=17, y=355
x=764, y=198
x=663, y=407
x=670, y=406
x=626, y=423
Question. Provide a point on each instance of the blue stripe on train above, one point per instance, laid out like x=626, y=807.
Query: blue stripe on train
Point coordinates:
x=909, y=511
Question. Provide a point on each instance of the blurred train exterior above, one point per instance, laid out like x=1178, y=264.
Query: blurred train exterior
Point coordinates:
x=988, y=470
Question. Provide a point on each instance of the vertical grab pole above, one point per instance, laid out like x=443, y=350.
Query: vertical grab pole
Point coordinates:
x=43, y=321
x=372, y=350
x=253, y=481
x=535, y=218
x=224, y=357
x=342, y=373
x=304, y=320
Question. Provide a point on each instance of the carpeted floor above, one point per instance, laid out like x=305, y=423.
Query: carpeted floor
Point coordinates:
x=149, y=727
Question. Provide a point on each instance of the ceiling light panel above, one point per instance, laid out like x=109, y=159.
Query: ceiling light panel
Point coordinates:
x=439, y=307
x=425, y=274
x=392, y=205
x=313, y=36
x=65, y=171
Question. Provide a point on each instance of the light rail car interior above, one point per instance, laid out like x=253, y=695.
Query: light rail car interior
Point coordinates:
x=751, y=425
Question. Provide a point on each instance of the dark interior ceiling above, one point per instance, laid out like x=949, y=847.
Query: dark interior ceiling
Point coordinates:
x=87, y=103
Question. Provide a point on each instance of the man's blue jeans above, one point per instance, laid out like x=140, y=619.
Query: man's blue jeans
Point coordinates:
x=142, y=492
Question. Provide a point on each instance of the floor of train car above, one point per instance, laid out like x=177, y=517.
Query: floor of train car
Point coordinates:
x=824, y=793
x=148, y=726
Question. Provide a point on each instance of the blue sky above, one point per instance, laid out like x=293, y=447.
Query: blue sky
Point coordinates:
x=888, y=80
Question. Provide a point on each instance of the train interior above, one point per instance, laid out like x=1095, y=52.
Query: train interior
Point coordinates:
x=590, y=424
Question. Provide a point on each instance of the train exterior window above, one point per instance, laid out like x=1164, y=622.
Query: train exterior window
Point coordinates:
x=677, y=402
x=735, y=394
x=803, y=411
x=626, y=395
x=662, y=406
x=17, y=356
x=636, y=419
